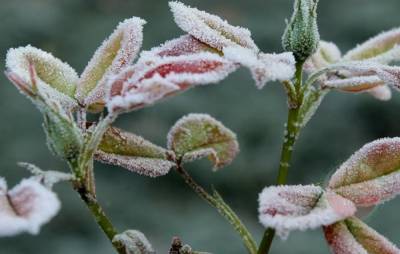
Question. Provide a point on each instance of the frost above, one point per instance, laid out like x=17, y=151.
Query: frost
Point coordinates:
x=326, y=54
x=134, y=242
x=352, y=236
x=51, y=75
x=47, y=178
x=210, y=29
x=287, y=208
x=264, y=67
x=381, y=93
x=371, y=175
x=144, y=84
x=26, y=207
x=197, y=135
x=116, y=52
x=383, y=48
x=355, y=84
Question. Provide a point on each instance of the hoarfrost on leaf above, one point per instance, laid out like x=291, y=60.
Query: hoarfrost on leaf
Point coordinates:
x=198, y=135
x=47, y=178
x=287, y=208
x=134, y=242
x=26, y=207
x=326, y=54
x=211, y=29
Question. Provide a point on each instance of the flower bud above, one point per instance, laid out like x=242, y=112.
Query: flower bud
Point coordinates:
x=301, y=35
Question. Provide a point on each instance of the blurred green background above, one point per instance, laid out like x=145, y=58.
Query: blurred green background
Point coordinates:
x=165, y=206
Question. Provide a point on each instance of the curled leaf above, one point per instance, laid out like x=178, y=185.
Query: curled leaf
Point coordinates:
x=26, y=207
x=134, y=153
x=210, y=29
x=34, y=72
x=47, y=178
x=144, y=84
x=352, y=236
x=199, y=135
x=326, y=54
x=355, y=84
x=383, y=48
x=382, y=93
x=370, y=176
x=264, y=67
x=116, y=52
x=287, y=208
x=133, y=242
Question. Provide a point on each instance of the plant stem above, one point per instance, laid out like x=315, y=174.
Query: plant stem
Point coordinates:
x=293, y=127
x=223, y=208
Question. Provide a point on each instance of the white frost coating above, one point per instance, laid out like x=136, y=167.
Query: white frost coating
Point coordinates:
x=165, y=76
x=135, y=242
x=287, y=208
x=26, y=207
x=210, y=29
x=341, y=241
x=144, y=166
x=326, y=54
x=264, y=67
x=47, y=178
x=116, y=52
x=53, y=76
x=355, y=84
x=383, y=48
x=382, y=93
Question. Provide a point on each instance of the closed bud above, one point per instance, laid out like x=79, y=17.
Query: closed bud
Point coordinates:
x=301, y=35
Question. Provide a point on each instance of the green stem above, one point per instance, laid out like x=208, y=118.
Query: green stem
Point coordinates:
x=293, y=127
x=223, y=208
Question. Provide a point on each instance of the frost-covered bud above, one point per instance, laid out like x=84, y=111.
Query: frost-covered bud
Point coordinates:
x=301, y=35
x=133, y=242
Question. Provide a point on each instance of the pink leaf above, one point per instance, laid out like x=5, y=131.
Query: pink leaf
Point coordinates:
x=287, y=208
x=371, y=175
x=352, y=236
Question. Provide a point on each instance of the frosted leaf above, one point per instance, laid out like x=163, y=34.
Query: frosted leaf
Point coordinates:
x=26, y=207
x=134, y=153
x=51, y=75
x=326, y=54
x=287, y=208
x=355, y=84
x=264, y=67
x=210, y=29
x=184, y=45
x=47, y=178
x=371, y=175
x=198, y=135
x=381, y=93
x=383, y=48
x=144, y=84
x=116, y=52
x=352, y=236
x=134, y=242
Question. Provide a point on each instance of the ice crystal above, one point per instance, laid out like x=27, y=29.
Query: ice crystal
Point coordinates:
x=197, y=135
x=210, y=29
x=287, y=208
x=26, y=207
x=146, y=83
x=134, y=242
x=264, y=67
x=352, y=236
x=116, y=52
x=371, y=175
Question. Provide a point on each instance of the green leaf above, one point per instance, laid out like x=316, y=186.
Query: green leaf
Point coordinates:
x=199, y=135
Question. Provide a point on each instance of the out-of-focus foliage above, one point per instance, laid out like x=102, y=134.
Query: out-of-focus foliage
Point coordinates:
x=164, y=207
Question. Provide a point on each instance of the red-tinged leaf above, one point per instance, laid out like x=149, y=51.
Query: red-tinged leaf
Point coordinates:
x=144, y=84
x=117, y=52
x=370, y=176
x=352, y=236
x=210, y=29
x=287, y=208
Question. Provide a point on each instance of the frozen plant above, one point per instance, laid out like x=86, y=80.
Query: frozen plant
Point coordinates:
x=119, y=79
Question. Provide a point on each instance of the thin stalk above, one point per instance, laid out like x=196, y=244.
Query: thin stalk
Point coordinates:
x=291, y=133
x=217, y=202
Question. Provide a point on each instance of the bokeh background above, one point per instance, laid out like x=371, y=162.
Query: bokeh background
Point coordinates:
x=165, y=207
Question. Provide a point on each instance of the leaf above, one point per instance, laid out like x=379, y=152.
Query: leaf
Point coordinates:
x=352, y=236
x=26, y=207
x=383, y=48
x=326, y=54
x=199, y=135
x=371, y=175
x=133, y=242
x=355, y=84
x=144, y=84
x=134, y=153
x=210, y=29
x=264, y=67
x=287, y=208
x=382, y=93
x=116, y=52
x=312, y=99
x=35, y=71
